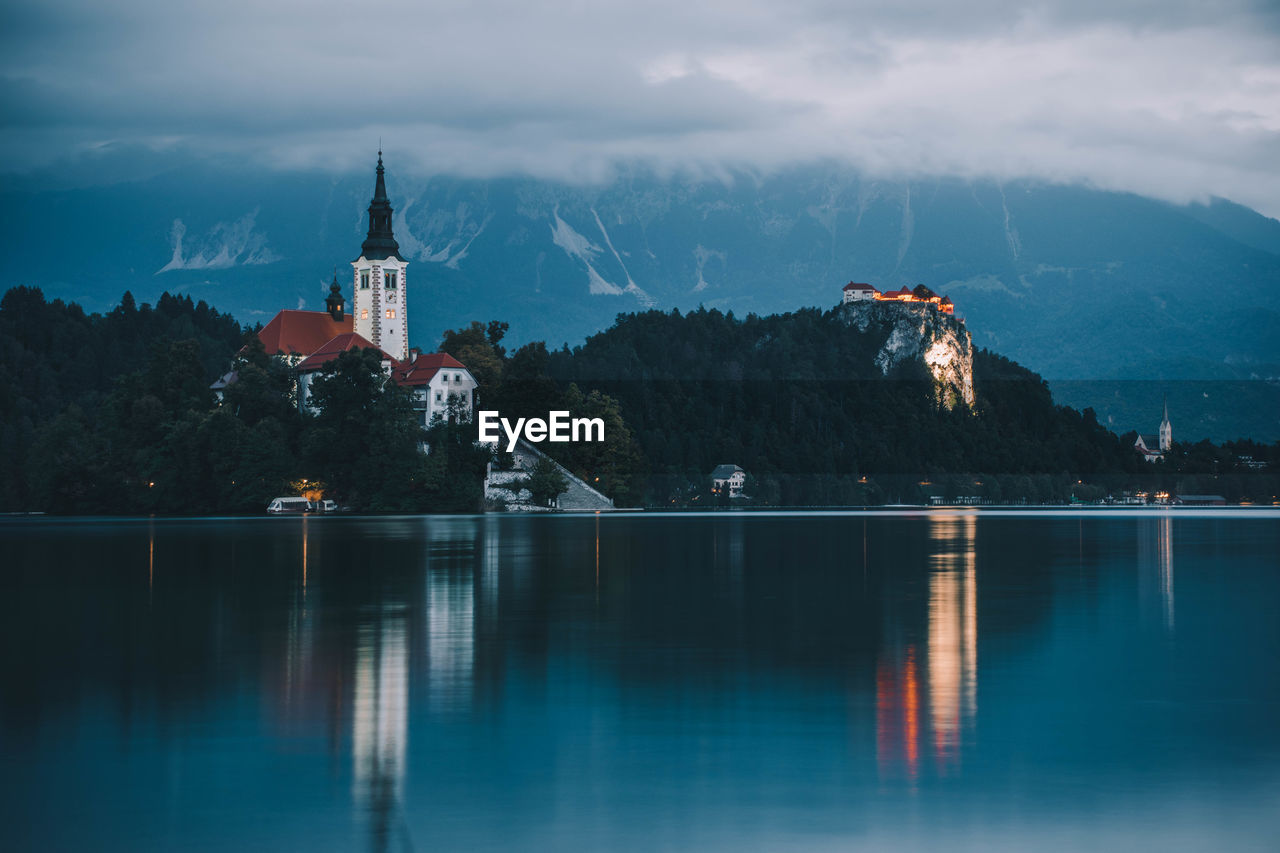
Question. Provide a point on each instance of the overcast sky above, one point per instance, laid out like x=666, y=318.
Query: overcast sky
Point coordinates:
x=1178, y=99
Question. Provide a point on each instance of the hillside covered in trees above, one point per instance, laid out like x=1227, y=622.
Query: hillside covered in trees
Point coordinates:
x=799, y=401
x=112, y=413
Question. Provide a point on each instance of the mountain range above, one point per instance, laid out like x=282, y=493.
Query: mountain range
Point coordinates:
x=1092, y=289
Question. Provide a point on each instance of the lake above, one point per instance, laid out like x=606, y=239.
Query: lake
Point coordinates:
x=826, y=681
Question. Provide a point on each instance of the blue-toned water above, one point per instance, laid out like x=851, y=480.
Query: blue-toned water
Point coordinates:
x=932, y=680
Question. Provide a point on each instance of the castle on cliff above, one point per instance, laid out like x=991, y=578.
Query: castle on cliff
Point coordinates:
x=919, y=295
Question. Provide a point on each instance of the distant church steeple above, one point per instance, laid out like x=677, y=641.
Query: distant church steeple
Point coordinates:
x=380, y=279
x=1166, y=428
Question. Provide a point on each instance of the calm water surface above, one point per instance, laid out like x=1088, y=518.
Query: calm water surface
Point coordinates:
x=939, y=680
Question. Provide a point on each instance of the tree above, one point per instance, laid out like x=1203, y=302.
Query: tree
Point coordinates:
x=455, y=469
x=612, y=466
x=527, y=388
x=70, y=476
x=263, y=387
x=477, y=347
x=545, y=482
x=364, y=440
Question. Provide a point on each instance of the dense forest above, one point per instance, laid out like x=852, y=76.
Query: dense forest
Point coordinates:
x=797, y=400
x=113, y=413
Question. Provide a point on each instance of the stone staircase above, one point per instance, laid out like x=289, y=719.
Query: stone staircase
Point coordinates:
x=579, y=497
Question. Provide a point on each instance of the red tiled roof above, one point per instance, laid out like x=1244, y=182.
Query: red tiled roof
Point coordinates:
x=335, y=347
x=424, y=367
x=854, y=285
x=302, y=332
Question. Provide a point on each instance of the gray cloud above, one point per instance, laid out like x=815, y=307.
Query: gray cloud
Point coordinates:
x=1176, y=99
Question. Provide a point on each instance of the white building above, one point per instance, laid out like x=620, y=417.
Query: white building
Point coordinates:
x=440, y=385
x=380, y=280
x=858, y=292
x=729, y=477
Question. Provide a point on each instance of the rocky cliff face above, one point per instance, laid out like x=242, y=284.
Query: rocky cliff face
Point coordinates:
x=919, y=332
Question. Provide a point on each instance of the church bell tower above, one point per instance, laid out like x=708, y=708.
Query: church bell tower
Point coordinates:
x=1166, y=429
x=380, y=307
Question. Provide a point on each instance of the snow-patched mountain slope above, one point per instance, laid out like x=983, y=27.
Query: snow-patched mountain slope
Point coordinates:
x=1069, y=281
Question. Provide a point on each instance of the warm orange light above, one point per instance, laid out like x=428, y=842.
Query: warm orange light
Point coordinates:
x=911, y=702
x=935, y=301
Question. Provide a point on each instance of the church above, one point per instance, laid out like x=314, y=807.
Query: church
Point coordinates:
x=1153, y=447
x=309, y=340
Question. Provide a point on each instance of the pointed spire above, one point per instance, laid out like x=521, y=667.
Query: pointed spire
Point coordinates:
x=1166, y=428
x=380, y=188
x=381, y=243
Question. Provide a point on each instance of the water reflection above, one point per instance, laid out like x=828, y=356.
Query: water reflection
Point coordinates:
x=950, y=664
x=304, y=556
x=1155, y=558
x=151, y=561
x=1166, y=569
x=898, y=714
x=451, y=646
x=953, y=631
x=565, y=682
x=379, y=726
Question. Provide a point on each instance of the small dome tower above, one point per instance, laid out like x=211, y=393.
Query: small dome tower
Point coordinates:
x=335, y=301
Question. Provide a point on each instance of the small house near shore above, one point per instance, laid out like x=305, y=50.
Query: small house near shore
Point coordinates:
x=728, y=478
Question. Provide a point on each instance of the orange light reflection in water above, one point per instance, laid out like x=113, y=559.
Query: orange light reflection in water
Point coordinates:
x=898, y=715
x=304, y=556
x=953, y=634
x=151, y=562
x=911, y=714
x=940, y=689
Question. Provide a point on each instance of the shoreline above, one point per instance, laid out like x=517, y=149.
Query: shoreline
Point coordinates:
x=900, y=510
